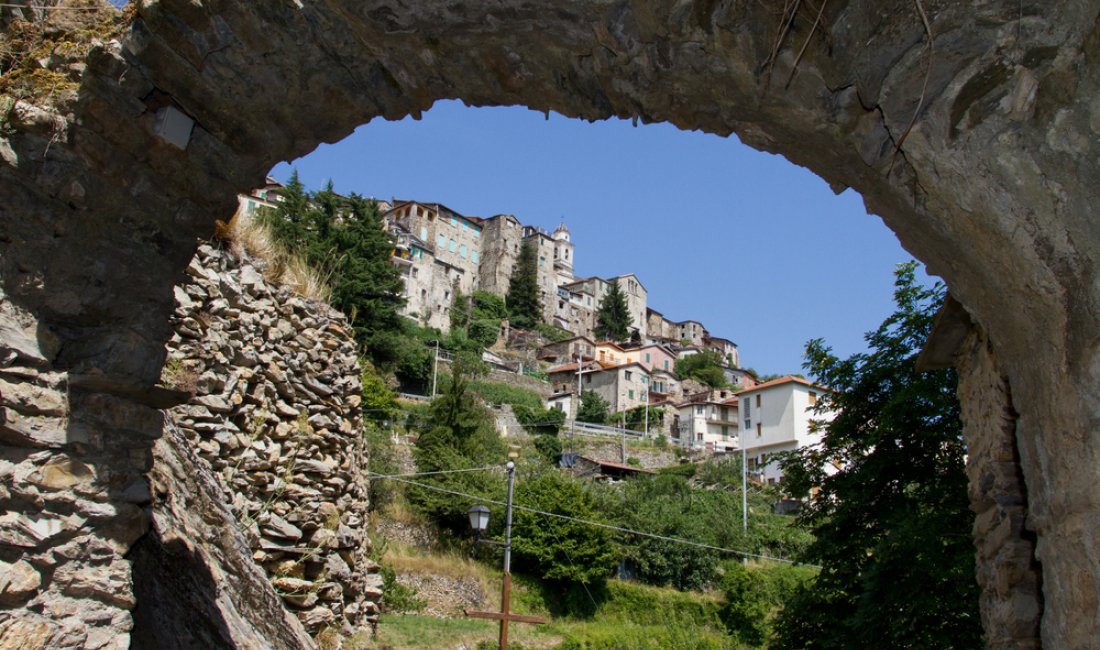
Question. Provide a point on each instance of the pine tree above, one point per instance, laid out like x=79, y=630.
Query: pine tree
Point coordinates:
x=343, y=239
x=524, y=308
x=613, y=319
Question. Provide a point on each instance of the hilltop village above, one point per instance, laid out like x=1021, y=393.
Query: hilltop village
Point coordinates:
x=440, y=252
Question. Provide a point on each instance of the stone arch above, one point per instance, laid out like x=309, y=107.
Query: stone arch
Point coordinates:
x=972, y=129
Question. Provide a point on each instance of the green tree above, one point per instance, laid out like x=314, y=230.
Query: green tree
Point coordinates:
x=755, y=594
x=460, y=308
x=636, y=418
x=342, y=238
x=488, y=310
x=380, y=409
x=463, y=435
x=613, y=318
x=892, y=525
x=557, y=549
x=705, y=366
x=524, y=306
x=594, y=409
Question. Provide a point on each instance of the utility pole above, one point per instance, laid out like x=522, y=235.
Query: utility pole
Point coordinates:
x=744, y=491
x=435, y=367
x=576, y=407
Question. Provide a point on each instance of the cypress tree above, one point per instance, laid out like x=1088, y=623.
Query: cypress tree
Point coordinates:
x=613, y=319
x=524, y=308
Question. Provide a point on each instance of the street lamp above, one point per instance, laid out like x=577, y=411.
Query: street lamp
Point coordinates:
x=479, y=521
x=479, y=518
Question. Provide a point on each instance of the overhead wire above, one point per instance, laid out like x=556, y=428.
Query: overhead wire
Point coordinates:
x=620, y=529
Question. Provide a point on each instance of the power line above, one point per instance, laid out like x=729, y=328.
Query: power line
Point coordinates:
x=449, y=471
x=49, y=8
x=665, y=538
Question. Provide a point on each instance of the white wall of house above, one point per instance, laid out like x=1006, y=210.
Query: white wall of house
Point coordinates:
x=775, y=417
x=709, y=425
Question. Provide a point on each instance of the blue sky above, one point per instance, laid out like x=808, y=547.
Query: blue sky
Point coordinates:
x=757, y=249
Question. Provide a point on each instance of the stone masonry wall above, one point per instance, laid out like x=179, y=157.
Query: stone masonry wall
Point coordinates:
x=276, y=417
x=1008, y=573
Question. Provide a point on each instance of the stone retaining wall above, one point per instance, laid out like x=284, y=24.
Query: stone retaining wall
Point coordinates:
x=276, y=416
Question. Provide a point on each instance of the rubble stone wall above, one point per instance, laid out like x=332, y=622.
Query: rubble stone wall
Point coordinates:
x=1008, y=572
x=276, y=417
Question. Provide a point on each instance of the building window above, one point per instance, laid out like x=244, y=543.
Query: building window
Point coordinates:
x=725, y=432
x=759, y=430
x=699, y=410
x=588, y=379
x=629, y=375
x=666, y=364
x=647, y=357
x=454, y=222
x=813, y=398
x=758, y=400
x=424, y=232
x=452, y=246
x=462, y=251
x=442, y=241
x=473, y=256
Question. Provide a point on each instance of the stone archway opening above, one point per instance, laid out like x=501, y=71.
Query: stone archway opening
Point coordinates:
x=972, y=133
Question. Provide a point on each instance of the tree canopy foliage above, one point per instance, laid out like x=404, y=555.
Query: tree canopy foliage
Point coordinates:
x=704, y=366
x=557, y=549
x=670, y=504
x=524, y=304
x=613, y=318
x=343, y=238
x=594, y=409
x=892, y=525
x=462, y=436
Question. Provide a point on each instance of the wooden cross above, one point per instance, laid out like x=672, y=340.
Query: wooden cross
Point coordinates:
x=504, y=616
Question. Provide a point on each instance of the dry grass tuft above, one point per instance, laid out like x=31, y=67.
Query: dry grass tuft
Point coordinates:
x=452, y=564
x=247, y=235
x=43, y=43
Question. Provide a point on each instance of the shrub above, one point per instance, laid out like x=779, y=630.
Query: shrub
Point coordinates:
x=497, y=393
x=557, y=549
x=755, y=594
x=540, y=421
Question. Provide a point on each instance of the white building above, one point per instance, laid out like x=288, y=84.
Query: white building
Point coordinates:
x=708, y=424
x=778, y=416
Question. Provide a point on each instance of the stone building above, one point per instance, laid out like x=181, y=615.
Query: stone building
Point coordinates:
x=501, y=239
x=692, y=333
x=455, y=238
x=636, y=298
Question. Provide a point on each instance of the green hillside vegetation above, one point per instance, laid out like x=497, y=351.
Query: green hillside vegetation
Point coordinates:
x=705, y=366
x=565, y=569
x=889, y=529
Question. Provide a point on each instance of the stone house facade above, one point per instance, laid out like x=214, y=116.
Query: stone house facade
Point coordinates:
x=568, y=350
